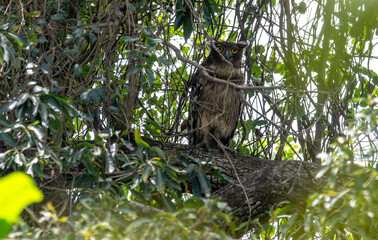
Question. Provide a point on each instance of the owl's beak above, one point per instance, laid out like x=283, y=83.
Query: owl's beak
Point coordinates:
x=226, y=56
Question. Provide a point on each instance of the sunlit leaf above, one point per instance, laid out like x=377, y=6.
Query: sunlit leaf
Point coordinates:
x=38, y=132
x=18, y=190
x=110, y=166
x=138, y=139
x=20, y=40
x=54, y=104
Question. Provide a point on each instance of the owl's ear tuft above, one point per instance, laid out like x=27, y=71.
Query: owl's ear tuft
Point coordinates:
x=243, y=44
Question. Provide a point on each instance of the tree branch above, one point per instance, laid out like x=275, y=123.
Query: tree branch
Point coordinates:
x=267, y=183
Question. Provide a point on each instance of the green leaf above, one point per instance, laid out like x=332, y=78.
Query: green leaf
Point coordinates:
x=167, y=203
x=157, y=150
x=44, y=115
x=129, y=39
x=151, y=77
x=138, y=139
x=48, y=58
x=78, y=33
x=31, y=36
x=193, y=202
x=160, y=180
x=110, y=167
x=153, y=41
x=196, y=188
x=18, y=39
x=45, y=68
x=210, y=7
x=204, y=182
x=38, y=132
x=95, y=29
x=152, y=123
x=58, y=17
x=4, y=122
x=18, y=190
x=54, y=104
x=146, y=172
x=20, y=100
x=35, y=14
x=134, y=70
x=132, y=7
x=84, y=145
x=8, y=139
x=93, y=95
x=146, y=31
x=164, y=61
x=301, y=7
x=179, y=15
x=188, y=27
x=77, y=69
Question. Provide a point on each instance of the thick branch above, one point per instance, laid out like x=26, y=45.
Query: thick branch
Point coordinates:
x=267, y=183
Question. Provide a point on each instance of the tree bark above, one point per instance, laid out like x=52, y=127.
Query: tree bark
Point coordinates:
x=258, y=184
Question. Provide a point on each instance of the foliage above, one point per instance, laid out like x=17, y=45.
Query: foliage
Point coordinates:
x=18, y=191
x=81, y=81
x=105, y=216
x=345, y=208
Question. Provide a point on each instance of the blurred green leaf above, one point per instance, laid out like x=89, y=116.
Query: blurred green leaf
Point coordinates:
x=20, y=40
x=157, y=150
x=58, y=17
x=151, y=76
x=138, y=139
x=134, y=70
x=188, y=27
x=129, y=39
x=8, y=139
x=160, y=180
x=153, y=41
x=45, y=68
x=204, y=182
x=18, y=190
x=146, y=172
x=77, y=69
x=78, y=33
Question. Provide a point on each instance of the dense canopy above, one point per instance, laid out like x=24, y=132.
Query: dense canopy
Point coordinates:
x=94, y=94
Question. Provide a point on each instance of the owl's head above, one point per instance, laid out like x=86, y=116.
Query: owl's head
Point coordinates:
x=232, y=52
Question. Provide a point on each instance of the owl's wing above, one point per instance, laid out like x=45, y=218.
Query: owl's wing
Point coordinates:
x=195, y=85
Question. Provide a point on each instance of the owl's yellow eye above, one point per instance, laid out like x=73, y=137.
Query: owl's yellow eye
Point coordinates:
x=234, y=50
x=220, y=49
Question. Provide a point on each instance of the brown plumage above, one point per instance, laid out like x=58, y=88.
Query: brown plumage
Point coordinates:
x=215, y=107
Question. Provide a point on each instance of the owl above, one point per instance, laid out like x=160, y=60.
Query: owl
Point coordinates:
x=215, y=107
